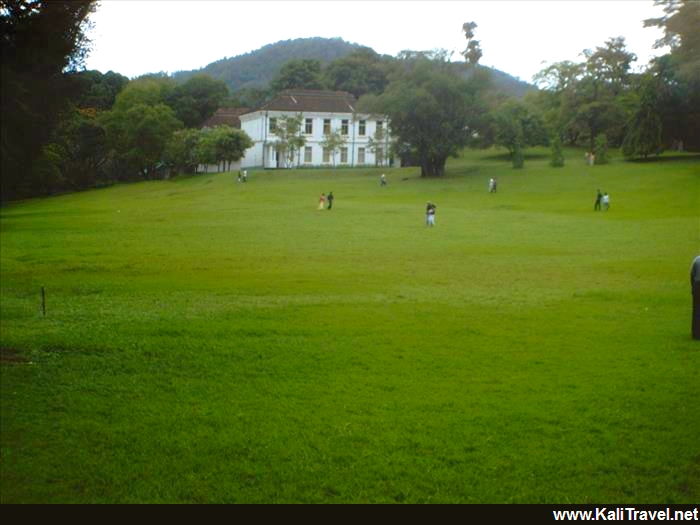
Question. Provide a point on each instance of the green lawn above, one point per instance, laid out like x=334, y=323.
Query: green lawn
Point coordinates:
x=208, y=341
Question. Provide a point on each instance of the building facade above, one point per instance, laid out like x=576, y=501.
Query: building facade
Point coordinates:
x=366, y=138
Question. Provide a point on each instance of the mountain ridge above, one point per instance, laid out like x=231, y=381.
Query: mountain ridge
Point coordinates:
x=255, y=69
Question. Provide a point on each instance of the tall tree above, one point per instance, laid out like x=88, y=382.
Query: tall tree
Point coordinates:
x=588, y=98
x=180, y=152
x=81, y=145
x=298, y=74
x=139, y=135
x=681, y=67
x=359, y=73
x=517, y=127
x=472, y=53
x=197, y=99
x=41, y=40
x=644, y=129
x=99, y=91
x=430, y=108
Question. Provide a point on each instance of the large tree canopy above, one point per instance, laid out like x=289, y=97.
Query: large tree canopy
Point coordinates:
x=359, y=73
x=588, y=98
x=681, y=69
x=298, y=74
x=432, y=111
x=41, y=40
x=197, y=99
x=99, y=90
x=517, y=127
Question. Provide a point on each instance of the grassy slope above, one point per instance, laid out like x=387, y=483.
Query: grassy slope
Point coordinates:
x=212, y=341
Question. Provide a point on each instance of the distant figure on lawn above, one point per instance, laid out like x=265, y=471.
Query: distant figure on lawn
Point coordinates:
x=240, y=177
x=492, y=185
x=245, y=175
x=606, y=202
x=598, y=198
x=330, y=199
x=495, y=184
x=695, y=289
x=590, y=158
x=382, y=180
x=430, y=214
x=322, y=201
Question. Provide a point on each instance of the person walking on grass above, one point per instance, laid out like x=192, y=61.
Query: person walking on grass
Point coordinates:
x=598, y=199
x=382, y=180
x=322, y=201
x=330, y=199
x=695, y=290
x=606, y=202
x=492, y=185
x=430, y=214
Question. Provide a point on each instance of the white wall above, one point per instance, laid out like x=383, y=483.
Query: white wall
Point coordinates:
x=256, y=125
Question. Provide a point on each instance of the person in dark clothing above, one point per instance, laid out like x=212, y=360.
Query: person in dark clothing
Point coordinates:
x=330, y=198
x=598, y=198
x=695, y=289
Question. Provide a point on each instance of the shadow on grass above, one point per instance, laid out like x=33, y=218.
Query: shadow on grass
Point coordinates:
x=667, y=158
x=506, y=156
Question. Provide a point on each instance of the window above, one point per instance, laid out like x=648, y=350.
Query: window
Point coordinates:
x=379, y=155
x=363, y=127
x=326, y=126
x=273, y=125
x=380, y=123
x=307, y=154
x=343, y=127
x=361, y=155
x=309, y=127
x=343, y=154
x=326, y=155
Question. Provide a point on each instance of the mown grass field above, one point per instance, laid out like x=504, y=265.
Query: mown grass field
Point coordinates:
x=208, y=341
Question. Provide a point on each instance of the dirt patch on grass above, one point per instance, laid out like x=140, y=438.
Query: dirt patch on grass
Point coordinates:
x=11, y=356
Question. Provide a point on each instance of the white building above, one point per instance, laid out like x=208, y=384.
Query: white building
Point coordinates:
x=322, y=112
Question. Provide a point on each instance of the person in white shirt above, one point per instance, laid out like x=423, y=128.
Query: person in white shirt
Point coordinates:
x=606, y=202
x=430, y=214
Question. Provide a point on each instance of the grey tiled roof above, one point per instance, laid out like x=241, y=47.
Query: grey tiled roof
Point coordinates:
x=312, y=100
x=226, y=116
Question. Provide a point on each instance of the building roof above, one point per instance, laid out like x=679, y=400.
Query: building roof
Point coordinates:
x=226, y=116
x=311, y=100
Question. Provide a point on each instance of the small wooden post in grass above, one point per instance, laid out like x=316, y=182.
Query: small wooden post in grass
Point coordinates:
x=43, y=301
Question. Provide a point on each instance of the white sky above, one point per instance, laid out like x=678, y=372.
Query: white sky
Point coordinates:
x=517, y=36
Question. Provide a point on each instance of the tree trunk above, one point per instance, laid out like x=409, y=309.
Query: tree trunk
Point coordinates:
x=432, y=166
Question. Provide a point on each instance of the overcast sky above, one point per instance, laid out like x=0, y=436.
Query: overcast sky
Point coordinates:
x=133, y=37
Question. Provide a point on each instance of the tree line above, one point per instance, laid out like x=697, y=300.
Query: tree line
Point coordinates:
x=64, y=128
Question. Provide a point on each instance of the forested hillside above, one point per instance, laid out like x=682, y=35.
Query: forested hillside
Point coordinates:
x=259, y=67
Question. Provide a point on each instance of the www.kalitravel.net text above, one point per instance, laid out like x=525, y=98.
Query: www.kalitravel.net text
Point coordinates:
x=626, y=513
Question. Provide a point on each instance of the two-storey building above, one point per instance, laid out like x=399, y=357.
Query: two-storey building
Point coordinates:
x=322, y=113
